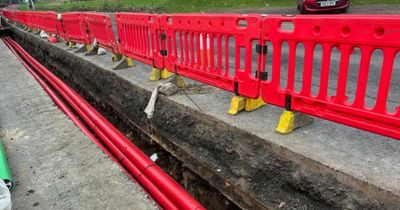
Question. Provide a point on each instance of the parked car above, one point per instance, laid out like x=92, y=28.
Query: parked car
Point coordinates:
x=314, y=6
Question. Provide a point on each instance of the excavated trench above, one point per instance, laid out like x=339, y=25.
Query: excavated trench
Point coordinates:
x=221, y=166
x=195, y=185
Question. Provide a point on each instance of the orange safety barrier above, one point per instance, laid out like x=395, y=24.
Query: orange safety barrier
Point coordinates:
x=139, y=36
x=347, y=35
x=100, y=28
x=216, y=49
x=74, y=25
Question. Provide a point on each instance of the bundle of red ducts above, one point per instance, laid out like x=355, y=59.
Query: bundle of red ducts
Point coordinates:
x=168, y=193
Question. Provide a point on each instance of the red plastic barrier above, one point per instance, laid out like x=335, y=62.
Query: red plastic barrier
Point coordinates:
x=346, y=33
x=23, y=17
x=31, y=23
x=74, y=24
x=7, y=14
x=28, y=20
x=100, y=28
x=50, y=23
x=216, y=49
x=36, y=20
x=139, y=36
x=17, y=16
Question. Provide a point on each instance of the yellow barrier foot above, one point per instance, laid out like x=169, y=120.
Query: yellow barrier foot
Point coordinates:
x=70, y=45
x=177, y=80
x=116, y=57
x=155, y=74
x=165, y=74
x=92, y=51
x=253, y=104
x=240, y=103
x=125, y=62
x=290, y=121
x=180, y=82
x=237, y=104
x=82, y=49
x=60, y=39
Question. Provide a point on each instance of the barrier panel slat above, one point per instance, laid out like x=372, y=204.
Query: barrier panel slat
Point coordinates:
x=216, y=49
x=346, y=37
x=100, y=28
x=74, y=24
x=139, y=36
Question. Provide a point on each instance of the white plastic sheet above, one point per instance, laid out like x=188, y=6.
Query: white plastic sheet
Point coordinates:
x=5, y=196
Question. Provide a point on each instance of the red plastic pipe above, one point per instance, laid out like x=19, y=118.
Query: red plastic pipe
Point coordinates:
x=162, y=187
x=132, y=168
x=68, y=112
x=161, y=198
x=65, y=108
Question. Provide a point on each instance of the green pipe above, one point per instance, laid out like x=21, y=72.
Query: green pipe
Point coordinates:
x=5, y=173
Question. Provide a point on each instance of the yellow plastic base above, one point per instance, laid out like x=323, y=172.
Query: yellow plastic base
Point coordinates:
x=88, y=47
x=155, y=74
x=129, y=62
x=116, y=57
x=180, y=82
x=124, y=62
x=289, y=121
x=237, y=105
x=253, y=104
x=165, y=74
x=71, y=44
x=60, y=39
x=286, y=122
